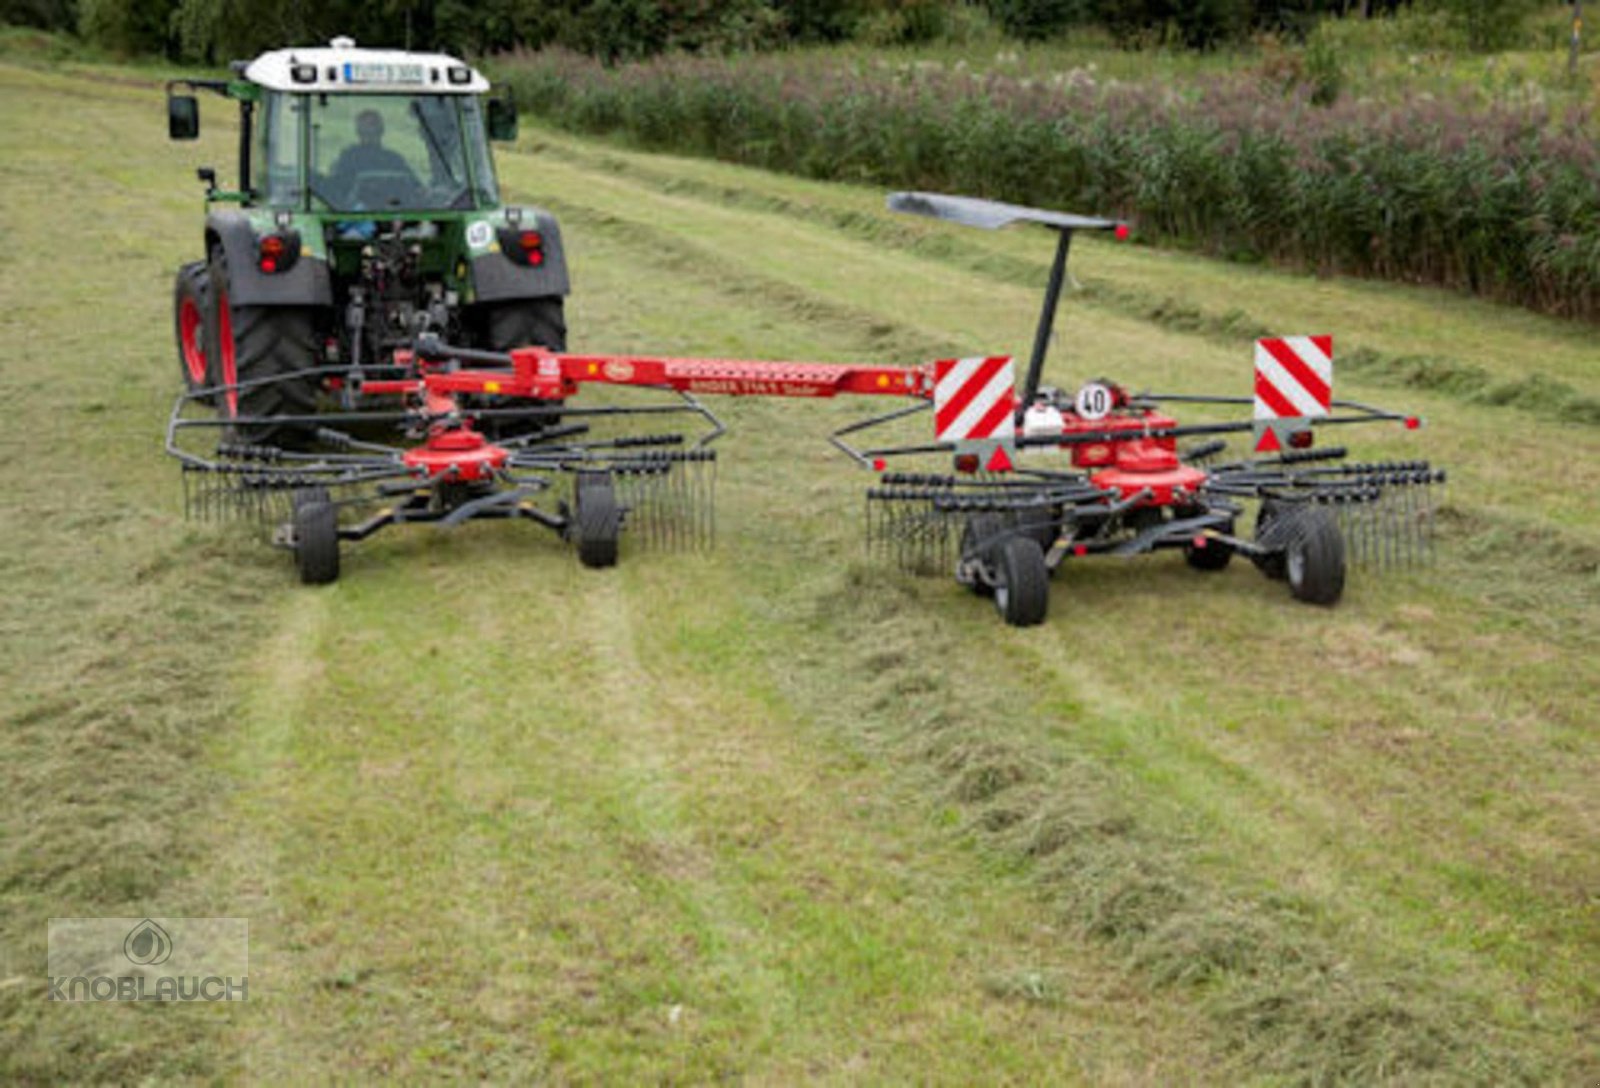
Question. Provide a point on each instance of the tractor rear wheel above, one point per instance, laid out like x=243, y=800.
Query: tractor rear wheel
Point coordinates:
x=258, y=344
x=1314, y=562
x=526, y=322
x=316, y=541
x=191, y=315
x=1022, y=587
x=598, y=519
x=521, y=323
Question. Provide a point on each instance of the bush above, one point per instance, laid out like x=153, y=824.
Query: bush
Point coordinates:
x=130, y=27
x=1489, y=25
x=1503, y=202
x=1033, y=20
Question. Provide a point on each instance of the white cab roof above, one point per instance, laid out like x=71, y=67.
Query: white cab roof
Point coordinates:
x=340, y=66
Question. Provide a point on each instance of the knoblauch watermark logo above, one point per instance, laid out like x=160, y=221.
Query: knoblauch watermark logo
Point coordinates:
x=149, y=959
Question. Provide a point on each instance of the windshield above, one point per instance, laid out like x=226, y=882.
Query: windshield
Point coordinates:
x=391, y=152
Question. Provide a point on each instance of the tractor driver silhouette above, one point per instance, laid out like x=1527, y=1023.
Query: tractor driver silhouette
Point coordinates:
x=370, y=174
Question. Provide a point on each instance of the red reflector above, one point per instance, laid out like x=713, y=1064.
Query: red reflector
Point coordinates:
x=966, y=462
x=1080, y=550
x=536, y=257
x=1200, y=542
x=879, y=465
x=1412, y=423
x=268, y=265
x=1121, y=232
x=530, y=239
x=1301, y=440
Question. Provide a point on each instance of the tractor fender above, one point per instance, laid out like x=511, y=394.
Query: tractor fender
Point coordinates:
x=305, y=283
x=496, y=277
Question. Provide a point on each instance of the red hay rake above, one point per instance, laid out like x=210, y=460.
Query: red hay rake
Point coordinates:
x=442, y=435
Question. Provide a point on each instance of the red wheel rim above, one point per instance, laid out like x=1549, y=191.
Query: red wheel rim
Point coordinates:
x=230, y=365
x=194, y=356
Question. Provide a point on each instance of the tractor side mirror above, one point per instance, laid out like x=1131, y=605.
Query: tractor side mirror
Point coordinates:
x=183, y=117
x=503, y=119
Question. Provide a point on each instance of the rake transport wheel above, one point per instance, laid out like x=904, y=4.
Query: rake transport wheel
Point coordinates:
x=316, y=537
x=1272, y=565
x=191, y=309
x=598, y=519
x=1022, y=584
x=248, y=343
x=1314, y=561
x=979, y=537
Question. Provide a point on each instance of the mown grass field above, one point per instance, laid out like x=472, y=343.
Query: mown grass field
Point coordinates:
x=771, y=812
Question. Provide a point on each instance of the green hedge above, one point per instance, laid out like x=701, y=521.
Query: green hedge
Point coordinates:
x=1503, y=202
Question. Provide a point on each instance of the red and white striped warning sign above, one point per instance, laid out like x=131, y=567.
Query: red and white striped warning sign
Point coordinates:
x=974, y=400
x=1294, y=377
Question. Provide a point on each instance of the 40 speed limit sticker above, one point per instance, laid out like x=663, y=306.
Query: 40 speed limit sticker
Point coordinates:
x=1094, y=401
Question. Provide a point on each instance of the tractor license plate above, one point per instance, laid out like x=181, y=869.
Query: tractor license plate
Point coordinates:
x=371, y=72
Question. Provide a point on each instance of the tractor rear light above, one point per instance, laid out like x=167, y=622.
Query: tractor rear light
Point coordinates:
x=966, y=462
x=277, y=252
x=303, y=73
x=522, y=246
x=1302, y=440
x=460, y=75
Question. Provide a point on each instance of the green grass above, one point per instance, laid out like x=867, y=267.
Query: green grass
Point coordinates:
x=769, y=812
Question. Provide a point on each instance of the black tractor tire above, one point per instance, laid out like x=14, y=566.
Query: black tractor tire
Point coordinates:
x=250, y=343
x=316, y=542
x=191, y=321
x=597, y=519
x=521, y=323
x=1314, y=564
x=1022, y=592
x=982, y=532
x=1214, y=556
x=1270, y=565
x=526, y=322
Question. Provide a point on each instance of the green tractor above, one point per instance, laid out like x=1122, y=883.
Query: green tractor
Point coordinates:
x=367, y=213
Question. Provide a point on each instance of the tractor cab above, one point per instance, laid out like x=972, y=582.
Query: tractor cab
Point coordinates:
x=357, y=131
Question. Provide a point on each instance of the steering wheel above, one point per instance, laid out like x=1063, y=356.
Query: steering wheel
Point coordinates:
x=379, y=189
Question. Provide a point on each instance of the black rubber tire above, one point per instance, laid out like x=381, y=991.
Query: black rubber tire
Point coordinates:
x=1214, y=556
x=986, y=528
x=316, y=542
x=598, y=519
x=305, y=496
x=1022, y=594
x=1314, y=564
x=267, y=341
x=1041, y=525
x=191, y=321
x=1270, y=565
x=520, y=323
x=525, y=322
